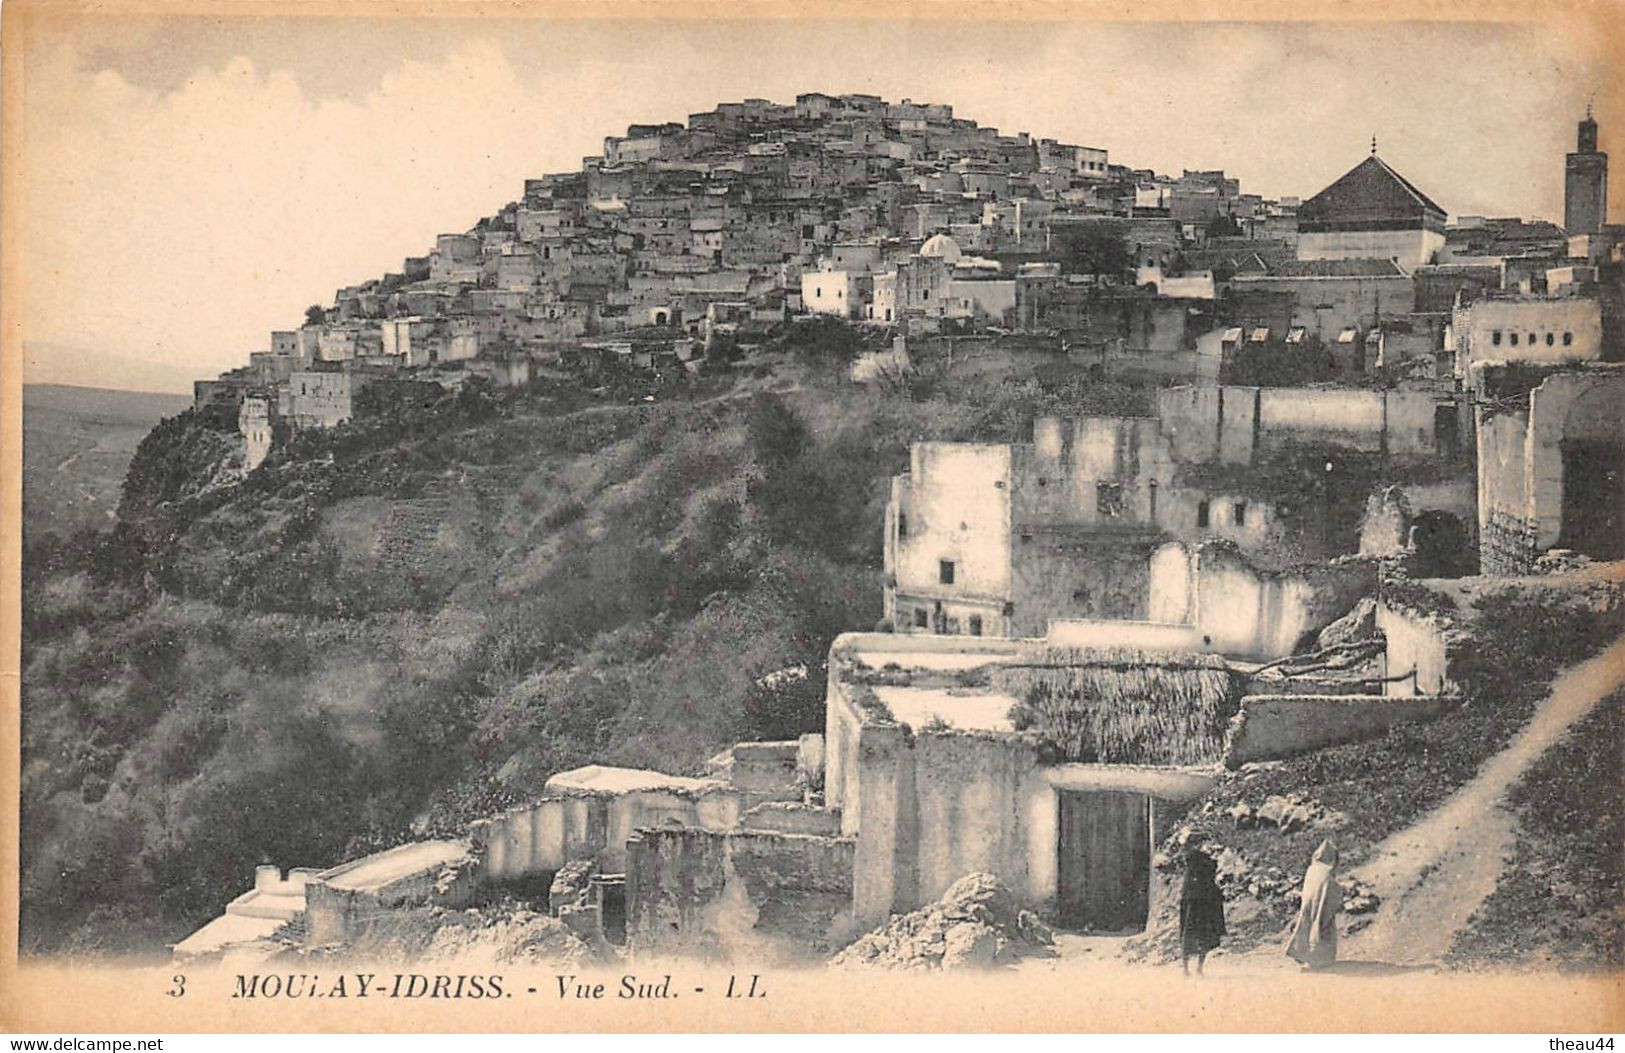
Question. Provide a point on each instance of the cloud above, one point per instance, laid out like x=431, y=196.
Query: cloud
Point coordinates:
x=188, y=224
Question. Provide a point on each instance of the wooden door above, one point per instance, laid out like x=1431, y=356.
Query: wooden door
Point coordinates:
x=1105, y=860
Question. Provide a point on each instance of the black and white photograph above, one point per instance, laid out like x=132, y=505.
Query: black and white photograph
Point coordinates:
x=754, y=518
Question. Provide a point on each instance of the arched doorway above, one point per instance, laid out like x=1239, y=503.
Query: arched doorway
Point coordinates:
x=1593, y=457
x=1440, y=547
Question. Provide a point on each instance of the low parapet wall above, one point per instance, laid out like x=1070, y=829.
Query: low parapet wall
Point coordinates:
x=1270, y=727
x=1141, y=636
x=343, y=903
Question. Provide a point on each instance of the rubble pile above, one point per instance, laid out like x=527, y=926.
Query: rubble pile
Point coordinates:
x=1357, y=626
x=976, y=924
x=1288, y=814
x=517, y=937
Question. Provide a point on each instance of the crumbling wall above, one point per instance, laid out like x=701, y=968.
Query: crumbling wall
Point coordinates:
x=1269, y=727
x=1385, y=530
x=1506, y=540
x=539, y=838
x=339, y=914
x=1067, y=575
x=1419, y=641
x=746, y=895
x=1248, y=613
x=760, y=771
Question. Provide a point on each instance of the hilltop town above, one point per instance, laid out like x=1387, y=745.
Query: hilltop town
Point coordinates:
x=1336, y=492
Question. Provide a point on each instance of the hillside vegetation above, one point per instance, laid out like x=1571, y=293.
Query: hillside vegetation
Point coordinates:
x=412, y=620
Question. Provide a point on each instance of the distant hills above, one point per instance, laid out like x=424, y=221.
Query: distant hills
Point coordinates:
x=77, y=444
x=62, y=364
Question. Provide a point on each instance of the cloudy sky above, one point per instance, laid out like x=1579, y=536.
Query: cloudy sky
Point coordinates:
x=193, y=183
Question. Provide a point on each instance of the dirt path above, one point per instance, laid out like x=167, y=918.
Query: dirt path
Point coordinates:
x=1434, y=874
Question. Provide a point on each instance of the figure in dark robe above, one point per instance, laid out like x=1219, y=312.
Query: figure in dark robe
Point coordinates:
x=1314, y=934
x=1201, y=907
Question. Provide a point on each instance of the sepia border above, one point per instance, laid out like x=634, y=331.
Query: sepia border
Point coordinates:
x=47, y=997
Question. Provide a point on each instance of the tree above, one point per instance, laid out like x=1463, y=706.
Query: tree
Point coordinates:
x=315, y=314
x=1100, y=251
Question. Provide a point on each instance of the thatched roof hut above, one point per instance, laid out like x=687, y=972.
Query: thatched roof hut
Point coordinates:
x=1119, y=706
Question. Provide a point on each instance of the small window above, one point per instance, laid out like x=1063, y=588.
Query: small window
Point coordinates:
x=1568, y=338
x=921, y=619
x=976, y=625
x=945, y=571
x=1202, y=514
x=818, y=290
x=1239, y=513
x=902, y=525
x=1550, y=339
x=1531, y=339
x=1513, y=338
x=1495, y=338
x=1109, y=499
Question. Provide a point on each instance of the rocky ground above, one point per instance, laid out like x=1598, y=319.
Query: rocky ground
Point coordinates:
x=975, y=924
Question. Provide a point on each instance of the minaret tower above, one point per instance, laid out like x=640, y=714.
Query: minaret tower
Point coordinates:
x=1585, y=182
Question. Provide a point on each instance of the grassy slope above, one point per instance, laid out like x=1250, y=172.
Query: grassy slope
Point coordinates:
x=1370, y=790
x=1561, y=901
x=386, y=631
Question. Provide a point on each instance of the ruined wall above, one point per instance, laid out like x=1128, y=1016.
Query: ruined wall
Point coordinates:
x=1235, y=424
x=1505, y=542
x=1419, y=641
x=338, y=911
x=777, y=898
x=1252, y=614
x=1565, y=408
x=1269, y=727
x=1065, y=574
x=539, y=838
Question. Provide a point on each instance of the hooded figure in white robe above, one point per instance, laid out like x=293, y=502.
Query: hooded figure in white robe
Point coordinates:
x=1314, y=934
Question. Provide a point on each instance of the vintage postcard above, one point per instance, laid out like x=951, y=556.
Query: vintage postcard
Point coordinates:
x=875, y=517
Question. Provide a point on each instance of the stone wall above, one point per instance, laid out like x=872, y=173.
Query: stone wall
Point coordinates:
x=928, y=807
x=1248, y=613
x=537, y=839
x=1067, y=574
x=1269, y=727
x=1418, y=641
x=355, y=899
x=771, y=897
x=1233, y=425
